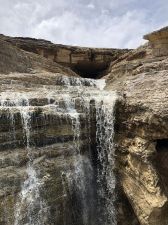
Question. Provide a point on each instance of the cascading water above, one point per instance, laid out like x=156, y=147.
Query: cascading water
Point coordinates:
x=78, y=178
x=105, y=118
x=30, y=195
x=94, y=191
x=105, y=109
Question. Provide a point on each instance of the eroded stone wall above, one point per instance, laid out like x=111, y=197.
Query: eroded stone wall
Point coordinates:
x=87, y=62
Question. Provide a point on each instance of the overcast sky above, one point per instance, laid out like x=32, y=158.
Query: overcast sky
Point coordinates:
x=96, y=23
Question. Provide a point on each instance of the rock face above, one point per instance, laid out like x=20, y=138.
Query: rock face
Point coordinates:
x=13, y=59
x=142, y=132
x=159, y=41
x=60, y=145
x=87, y=62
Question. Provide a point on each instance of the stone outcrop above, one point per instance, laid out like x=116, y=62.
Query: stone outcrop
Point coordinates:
x=159, y=41
x=87, y=62
x=142, y=131
x=13, y=59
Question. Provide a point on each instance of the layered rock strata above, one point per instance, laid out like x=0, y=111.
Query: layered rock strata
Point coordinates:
x=49, y=162
x=87, y=62
x=13, y=59
x=142, y=132
x=159, y=41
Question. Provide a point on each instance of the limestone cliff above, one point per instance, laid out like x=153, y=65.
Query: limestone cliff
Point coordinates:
x=87, y=62
x=142, y=130
x=35, y=69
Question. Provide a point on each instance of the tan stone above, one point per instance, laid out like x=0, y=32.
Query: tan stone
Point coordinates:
x=63, y=56
x=69, y=56
x=159, y=41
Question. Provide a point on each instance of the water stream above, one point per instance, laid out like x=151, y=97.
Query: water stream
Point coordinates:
x=29, y=196
x=105, y=117
x=75, y=102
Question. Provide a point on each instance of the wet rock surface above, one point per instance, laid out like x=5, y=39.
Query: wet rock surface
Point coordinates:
x=48, y=157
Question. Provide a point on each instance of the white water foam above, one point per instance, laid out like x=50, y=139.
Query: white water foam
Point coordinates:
x=30, y=191
x=104, y=104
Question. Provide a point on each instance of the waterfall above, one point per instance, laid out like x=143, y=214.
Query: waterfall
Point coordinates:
x=30, y=192
x=105, y=118
x=78, y=178
x=88, y=108
x=29, y=197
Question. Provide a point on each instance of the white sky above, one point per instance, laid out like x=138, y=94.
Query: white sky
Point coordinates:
x=93, y=23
